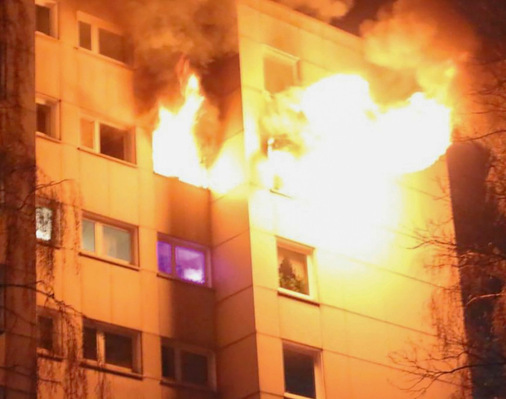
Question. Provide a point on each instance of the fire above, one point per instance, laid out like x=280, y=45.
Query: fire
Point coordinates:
x=346, y=152
x=175, y=150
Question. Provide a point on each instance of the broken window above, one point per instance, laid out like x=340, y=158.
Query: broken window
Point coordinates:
x=46, y=17
x=46, y=121
x=280, y=71
x=44, y=223
x=107, y=140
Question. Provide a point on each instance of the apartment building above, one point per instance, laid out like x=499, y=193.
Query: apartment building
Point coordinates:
x=234, y=292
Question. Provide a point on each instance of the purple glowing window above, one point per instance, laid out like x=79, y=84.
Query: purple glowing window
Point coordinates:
x=191, y=265
x=164, y=257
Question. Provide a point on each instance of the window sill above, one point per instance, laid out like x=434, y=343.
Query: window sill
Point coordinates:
x=112, y=261
x=46, y=36
x=104, y=58
x=44, y=353
x=288, y=395
x=178, y=384
x=98, y=154
x=178, y=280
x=298, y=297
x=107, y=368
x=47, y=137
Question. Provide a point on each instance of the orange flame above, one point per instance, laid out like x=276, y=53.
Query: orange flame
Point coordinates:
x=347, y=152
x=175, y=150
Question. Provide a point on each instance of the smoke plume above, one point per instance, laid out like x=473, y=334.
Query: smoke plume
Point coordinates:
x=325, y=10
x=423, y=42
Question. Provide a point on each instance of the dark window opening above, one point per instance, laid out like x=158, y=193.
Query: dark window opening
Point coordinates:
x=118, y=350
x=44, y=119
x=194, y=368
x=112, y=45
x=114, y=142
x=168, y=362
x=85, y=35
x=45, y=333
x=43, y=19
x=299, y=373
x=90, y=343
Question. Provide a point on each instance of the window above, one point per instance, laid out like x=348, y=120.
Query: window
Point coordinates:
x=184, y=261
x=47, y=332
x=103, y=38
x=294, y=270
x=107, y=140
x=280, y=71
x=186, y=365
x=108, y=240
x=46, y=117
x=111, y=345
x=45, y=17
x=301, y=370
x=44, y=223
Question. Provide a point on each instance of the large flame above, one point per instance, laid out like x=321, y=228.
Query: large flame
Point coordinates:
x=175, y=150
x=332, y=145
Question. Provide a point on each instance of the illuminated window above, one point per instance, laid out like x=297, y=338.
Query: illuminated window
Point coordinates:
x=186, y=365
x=107, y=140
x=111, y=345
x=44, y=223
x=184, y=261
x=46, y=17
x=101, y=37
x=294, y=270
x=107, y=240
x=280, y=70
x=48, y=332
x=47, y=117
x=301, y=370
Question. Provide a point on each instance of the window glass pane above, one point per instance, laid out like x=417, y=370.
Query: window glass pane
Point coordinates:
x=44, y=119
x=194, y=368
x=85, y=35
x=88, y=235
x=168, y=362
x=111, y=45
x=45, y=333
x=118, y=350
x=116, y=243
x=190, y=265
x=292, y=268
x=114, y=142
x=299, y=373
x=43, y=19
x=90, y=343
x=87, y=133
x=44, y=223
x=163, y=250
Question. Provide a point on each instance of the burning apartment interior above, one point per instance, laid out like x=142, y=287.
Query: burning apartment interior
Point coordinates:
x=234, y=200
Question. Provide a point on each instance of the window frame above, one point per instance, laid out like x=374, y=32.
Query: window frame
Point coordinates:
x=175, y=242
x=54, y=117
x=178, y=348
x=57, y=339
x=130, y=149
x=316, y=355
x=52, y=5
x=283, y=57
x=102, y=329
x=98, y=239
x=308, y=253
x=95, y=25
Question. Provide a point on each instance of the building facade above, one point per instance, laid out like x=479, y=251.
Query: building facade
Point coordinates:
x=168, y=290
